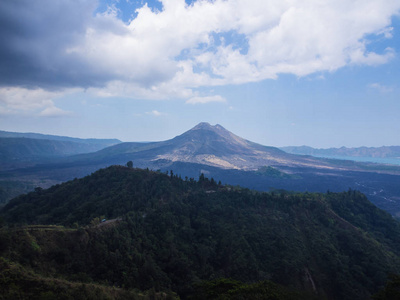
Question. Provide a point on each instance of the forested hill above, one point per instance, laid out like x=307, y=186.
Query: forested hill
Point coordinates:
x=169, y=233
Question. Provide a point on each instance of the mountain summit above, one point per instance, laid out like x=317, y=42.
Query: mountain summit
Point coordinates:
x=207, y=126
x=206, y=133
x=207, y=139
x=218, y=129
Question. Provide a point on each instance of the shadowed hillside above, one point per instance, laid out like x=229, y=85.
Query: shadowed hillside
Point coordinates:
x=170, y=234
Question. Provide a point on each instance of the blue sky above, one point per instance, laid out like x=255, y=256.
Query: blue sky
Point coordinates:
x=272, y=71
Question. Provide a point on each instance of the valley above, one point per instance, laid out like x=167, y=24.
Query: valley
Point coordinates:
x=217, y=153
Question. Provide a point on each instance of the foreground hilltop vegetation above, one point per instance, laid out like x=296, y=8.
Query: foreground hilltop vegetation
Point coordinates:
x=168, y=234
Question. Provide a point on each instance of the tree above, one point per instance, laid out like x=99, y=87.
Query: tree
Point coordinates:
x=202, y=178
x=129, y=164
x=95, y=221
x=391, y=290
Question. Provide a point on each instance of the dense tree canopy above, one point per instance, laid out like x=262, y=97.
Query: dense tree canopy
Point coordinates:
x=170, y=234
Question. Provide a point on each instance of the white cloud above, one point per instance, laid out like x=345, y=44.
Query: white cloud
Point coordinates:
x=155, y=113
x=203, y=100
x=53, y=111
x=371, y=58
x=22, y=99
x=16, y=100
x=381, y=88
x=387, y=32
x=296, y=37
x=169, y=53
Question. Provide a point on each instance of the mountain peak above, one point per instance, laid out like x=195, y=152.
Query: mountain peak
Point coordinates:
x=208, y=126
x=203, y=125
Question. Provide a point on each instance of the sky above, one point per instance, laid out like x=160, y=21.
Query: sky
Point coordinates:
x=276, y=72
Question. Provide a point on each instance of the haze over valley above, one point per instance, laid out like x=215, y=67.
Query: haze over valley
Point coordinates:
x=208, y=149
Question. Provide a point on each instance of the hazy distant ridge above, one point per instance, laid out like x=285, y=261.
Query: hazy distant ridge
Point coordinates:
x=25, y=148
x=19, y=149
x=39, y=136
x=376, y=152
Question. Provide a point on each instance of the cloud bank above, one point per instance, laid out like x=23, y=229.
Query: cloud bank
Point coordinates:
x=54, y=46
x=203, y=100
x=16, y=100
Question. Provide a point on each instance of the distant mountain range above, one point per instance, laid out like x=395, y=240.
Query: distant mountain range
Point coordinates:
x=26, y=149
x=376, y=152
x=217, y=153
x=39, y=136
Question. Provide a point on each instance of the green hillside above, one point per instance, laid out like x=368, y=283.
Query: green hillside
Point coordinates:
x=17, y=282
x=169, y=234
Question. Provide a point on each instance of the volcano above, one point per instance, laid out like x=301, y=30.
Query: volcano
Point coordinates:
x=210, y=145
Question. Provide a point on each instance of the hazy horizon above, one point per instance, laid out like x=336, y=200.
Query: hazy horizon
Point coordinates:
x=397, y=161
x=278, y=73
